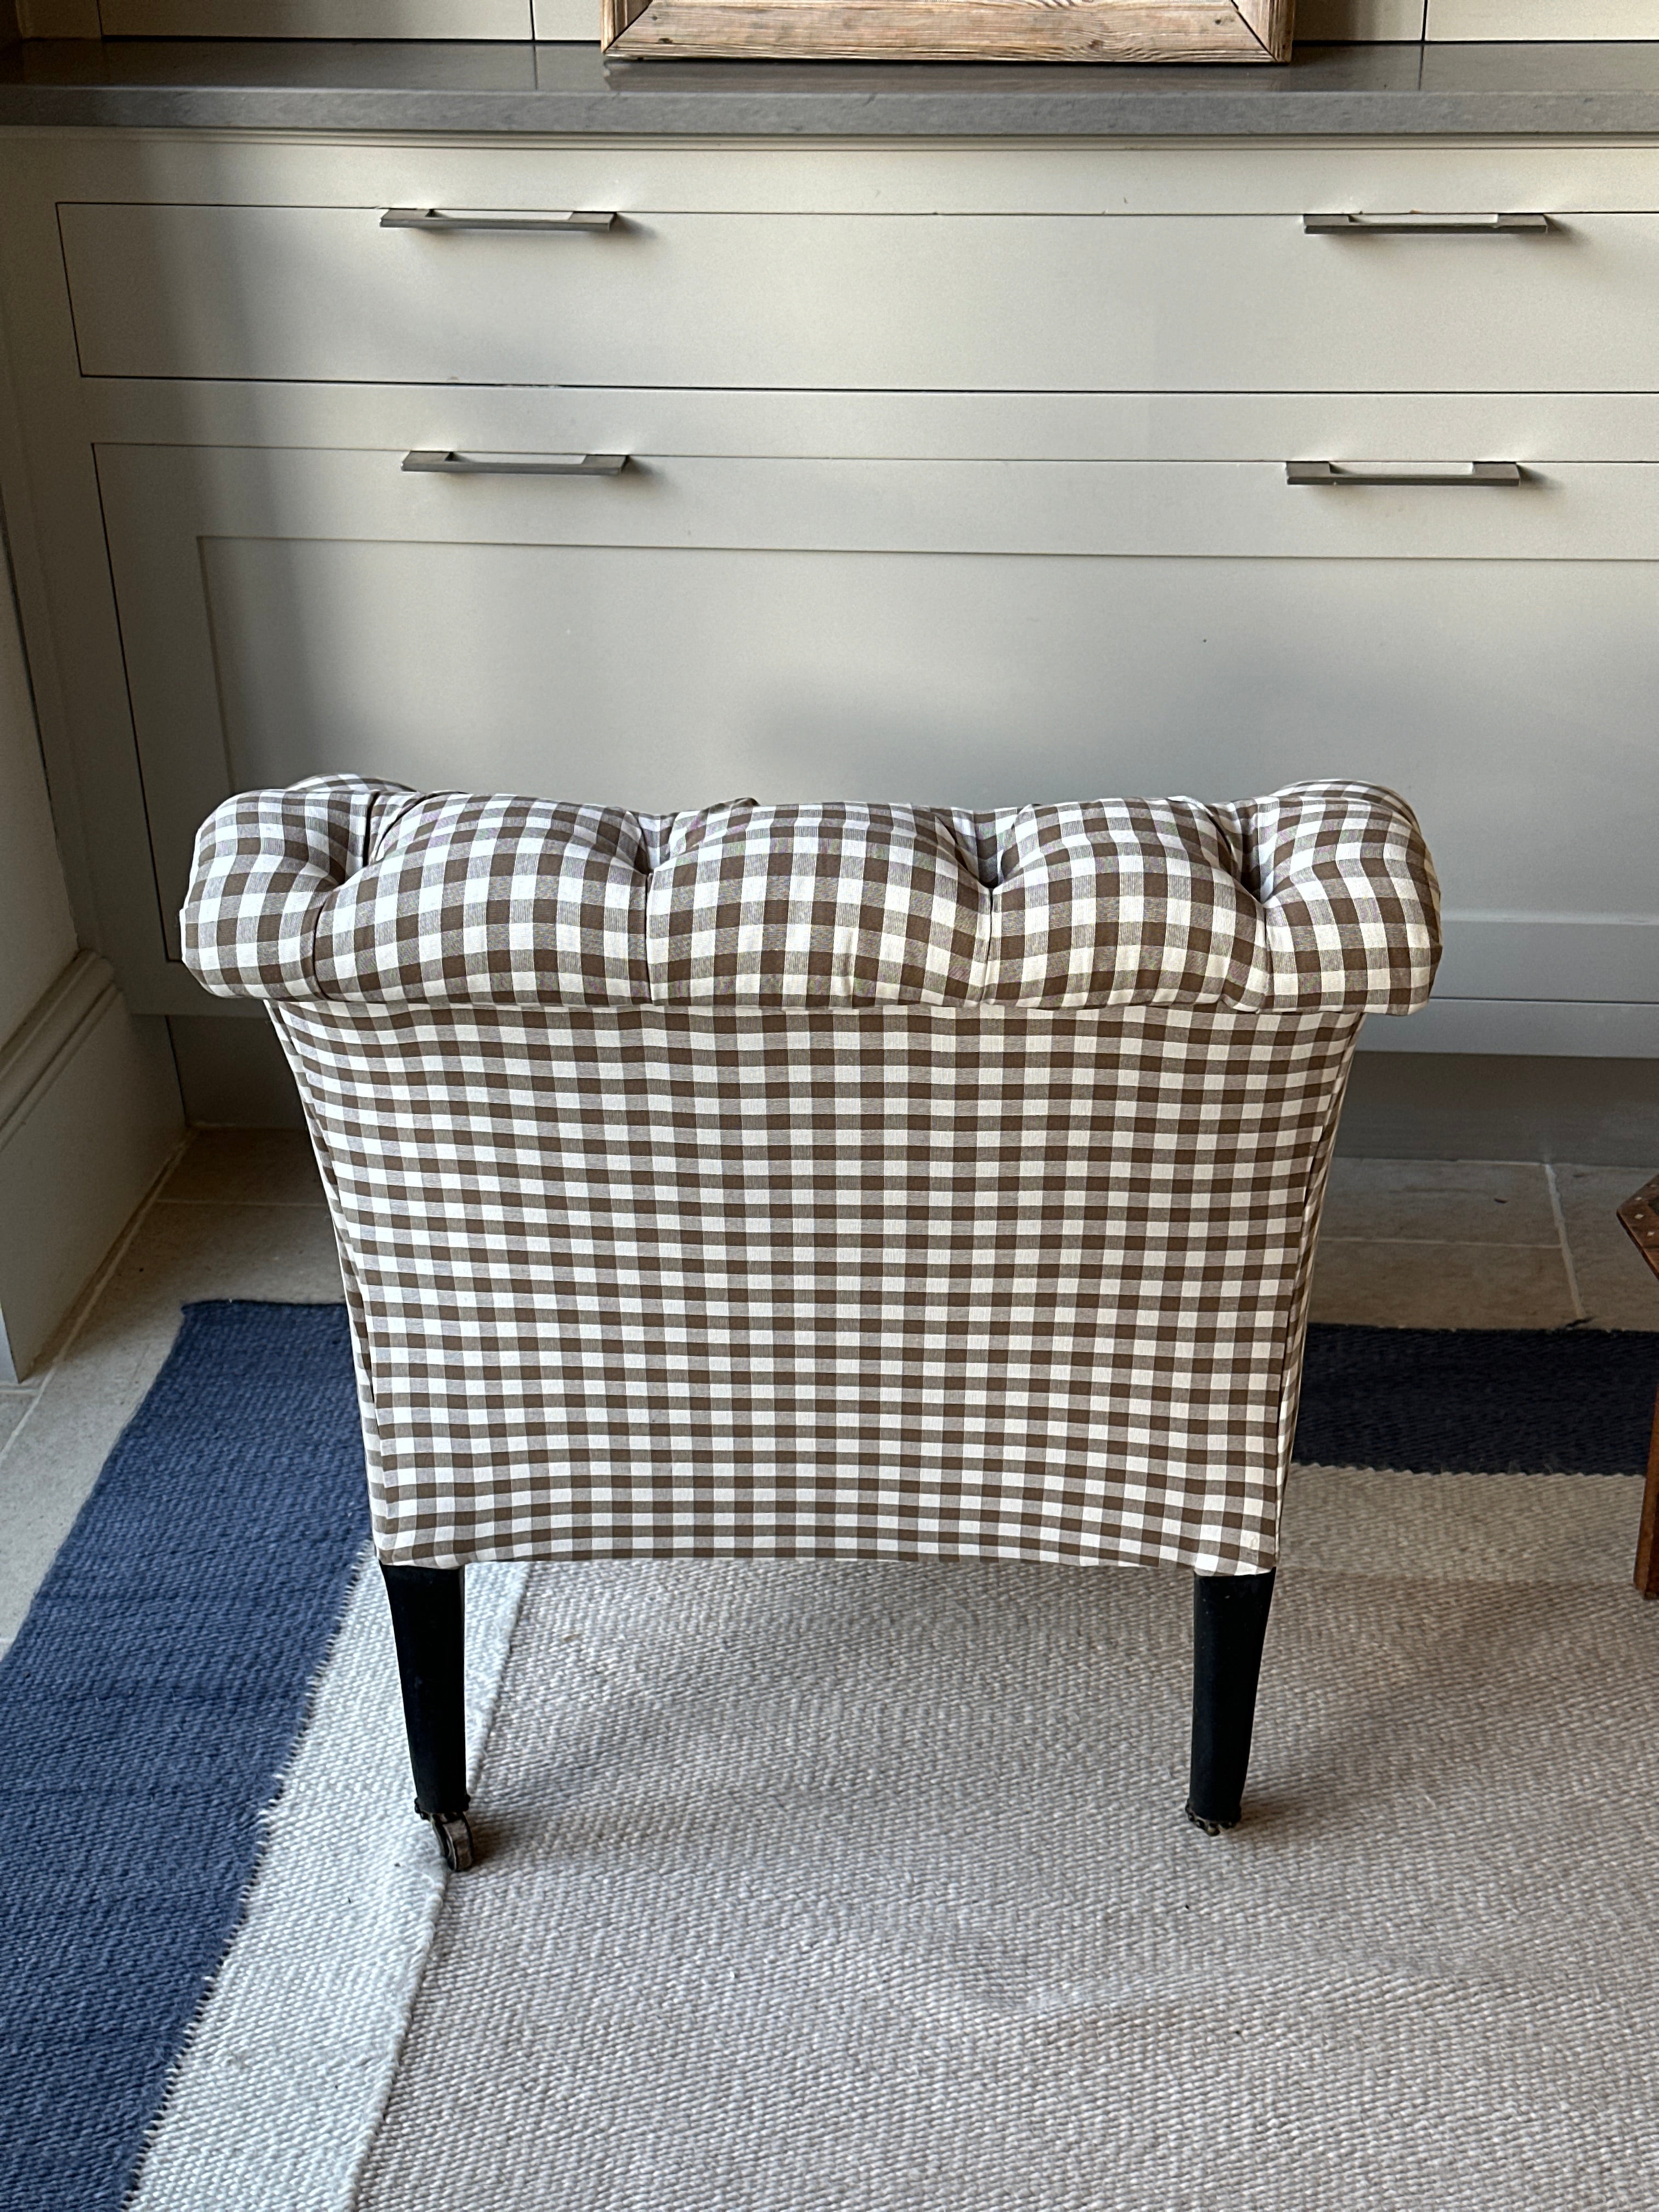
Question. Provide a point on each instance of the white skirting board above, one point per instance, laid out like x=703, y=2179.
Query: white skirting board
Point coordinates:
x=89, y=1114
x=1559, y=1029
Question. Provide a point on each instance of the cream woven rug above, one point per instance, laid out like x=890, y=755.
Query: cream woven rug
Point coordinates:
x=865, y=1887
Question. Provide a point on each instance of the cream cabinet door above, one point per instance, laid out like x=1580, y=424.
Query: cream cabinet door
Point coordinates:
x=973, y=633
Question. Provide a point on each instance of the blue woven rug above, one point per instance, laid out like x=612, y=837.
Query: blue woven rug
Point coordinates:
x=155, y=1695
x=146, y=1710
x=1479, y=1401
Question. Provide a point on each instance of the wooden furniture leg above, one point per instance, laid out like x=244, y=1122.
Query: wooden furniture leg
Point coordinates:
x=429, y=1626
x=1647, y=1544
x=1640, y=1217
x=1230, y=1625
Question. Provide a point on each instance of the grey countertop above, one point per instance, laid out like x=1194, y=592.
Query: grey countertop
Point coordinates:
x=1385, y=91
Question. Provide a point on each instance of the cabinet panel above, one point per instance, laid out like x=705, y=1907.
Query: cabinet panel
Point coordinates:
x=287, y=613
x=1058, y=177
x=946, y=302
x=1145, y=509
x=315, y=19
x=1526, y=20
x=568, y=19
x=1540, y=430
x=1359, y=22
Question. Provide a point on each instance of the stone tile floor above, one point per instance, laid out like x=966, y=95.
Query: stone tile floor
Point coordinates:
x=1481, y=1244
x=1405, y=1244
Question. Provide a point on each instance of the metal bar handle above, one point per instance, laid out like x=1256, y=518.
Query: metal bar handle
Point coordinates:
x=428, y=461
x=568, y=219
x=1409, y=473
x=1431, y=225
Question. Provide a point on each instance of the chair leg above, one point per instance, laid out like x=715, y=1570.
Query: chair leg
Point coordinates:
x=427, y=1624
x=1230, y=1624
x=1647, y=1546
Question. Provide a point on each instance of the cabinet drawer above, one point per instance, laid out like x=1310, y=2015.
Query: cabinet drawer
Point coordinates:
x=944, y=633
x=1145, y=510
x=1083, y=303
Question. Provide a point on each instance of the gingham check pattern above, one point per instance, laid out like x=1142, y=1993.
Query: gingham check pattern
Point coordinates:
x=807, y=1210
x=1319, y=896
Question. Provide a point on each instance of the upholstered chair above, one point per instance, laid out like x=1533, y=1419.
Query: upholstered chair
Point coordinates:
x=835, y=1179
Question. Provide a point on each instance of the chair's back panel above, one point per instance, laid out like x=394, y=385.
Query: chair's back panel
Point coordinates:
x=901, y=1280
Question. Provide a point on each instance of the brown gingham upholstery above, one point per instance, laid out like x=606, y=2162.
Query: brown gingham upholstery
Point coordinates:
x=822, y=1179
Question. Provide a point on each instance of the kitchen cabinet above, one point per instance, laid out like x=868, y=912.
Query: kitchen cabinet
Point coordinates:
x=957, y=476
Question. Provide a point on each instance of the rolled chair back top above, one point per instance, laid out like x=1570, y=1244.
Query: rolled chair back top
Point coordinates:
x=1321, y=896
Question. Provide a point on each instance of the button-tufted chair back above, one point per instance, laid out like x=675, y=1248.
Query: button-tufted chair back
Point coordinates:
x=821, y=1178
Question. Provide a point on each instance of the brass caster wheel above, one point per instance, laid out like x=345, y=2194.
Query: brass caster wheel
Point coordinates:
x=454, y=1840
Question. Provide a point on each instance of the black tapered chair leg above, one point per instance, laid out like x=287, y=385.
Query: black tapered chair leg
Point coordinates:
x=429, y=1626
x=1230, y=1625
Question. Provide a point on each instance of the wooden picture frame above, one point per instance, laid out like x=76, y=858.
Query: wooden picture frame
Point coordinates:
x=949, y=30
